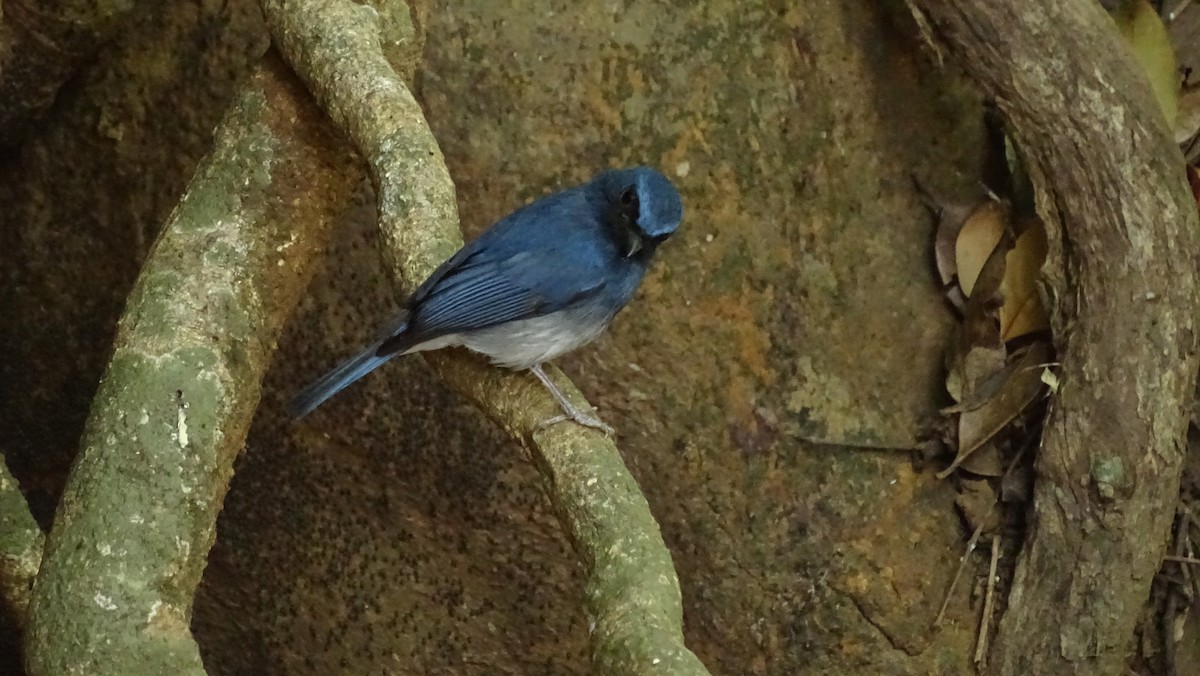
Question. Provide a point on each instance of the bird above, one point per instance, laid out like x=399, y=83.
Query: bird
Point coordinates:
x=540, y=282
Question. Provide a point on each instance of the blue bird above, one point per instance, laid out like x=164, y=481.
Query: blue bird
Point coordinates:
x=537, y=284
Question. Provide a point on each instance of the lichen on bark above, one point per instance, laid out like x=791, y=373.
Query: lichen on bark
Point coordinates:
x=138, y=515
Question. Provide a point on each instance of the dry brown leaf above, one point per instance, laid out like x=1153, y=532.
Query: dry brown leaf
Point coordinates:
x=976, y=501
x=951, y=219
x=977, y=239
x=985, y=461
x=1023, y=312
x=979, y=351
x=1020, y=389
x=992, y=377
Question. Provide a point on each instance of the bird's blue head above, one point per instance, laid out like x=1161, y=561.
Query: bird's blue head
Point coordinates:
x=641, y=206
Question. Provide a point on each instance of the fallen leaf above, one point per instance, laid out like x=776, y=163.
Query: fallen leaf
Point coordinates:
x=951, y=219
x=988, y=386
x=976, y=501
x=979, y=352
x=977, y=240
x=1022, y=312
x=1020, y=389
x=1143, y=29
x=985, y=461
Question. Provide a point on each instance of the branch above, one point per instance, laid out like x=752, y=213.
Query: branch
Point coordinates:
x=21, y=543
x=41, y=45
x=1123, y=226
x=633, y=594
x=138, y=514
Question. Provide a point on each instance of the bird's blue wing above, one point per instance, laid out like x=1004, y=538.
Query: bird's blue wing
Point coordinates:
x=537, y=260
x=486, y=290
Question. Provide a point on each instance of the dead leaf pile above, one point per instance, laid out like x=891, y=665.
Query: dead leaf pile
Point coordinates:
x=989, y=266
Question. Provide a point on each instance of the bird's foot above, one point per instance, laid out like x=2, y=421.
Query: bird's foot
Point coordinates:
x=580, y=417
x=570, y=411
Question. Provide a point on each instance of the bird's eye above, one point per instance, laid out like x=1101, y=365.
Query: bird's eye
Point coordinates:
x=628, y=197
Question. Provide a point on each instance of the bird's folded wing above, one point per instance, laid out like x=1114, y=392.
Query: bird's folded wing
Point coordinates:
x=479, y=293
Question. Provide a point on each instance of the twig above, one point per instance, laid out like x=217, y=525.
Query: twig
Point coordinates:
x=1182, y=559
x=962, y=565
x=1174, y=14
x=985, y=622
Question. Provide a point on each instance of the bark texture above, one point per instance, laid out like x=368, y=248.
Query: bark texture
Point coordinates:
x=1123, y=226
x=21, y=542
x=137, y=518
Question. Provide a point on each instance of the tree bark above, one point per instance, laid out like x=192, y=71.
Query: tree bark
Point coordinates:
x=21, y=542
x=1123, y=229
x=137, y=518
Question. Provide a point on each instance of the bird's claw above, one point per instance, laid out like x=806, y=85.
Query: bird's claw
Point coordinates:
x=581, y=418
x=570, y=411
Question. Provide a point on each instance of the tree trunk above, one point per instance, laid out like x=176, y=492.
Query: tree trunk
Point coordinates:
x=1123, y=226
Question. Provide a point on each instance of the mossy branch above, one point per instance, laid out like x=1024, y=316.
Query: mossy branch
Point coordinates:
x=1124, y=241
x=21, y=543
x=137, y=518
x=633, y=593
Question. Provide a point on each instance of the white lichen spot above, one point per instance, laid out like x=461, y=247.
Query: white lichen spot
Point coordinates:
x=592, y=481
x=683, y=169
x=655, y=661
x=183, y=546
x=153, y=611
x=105, y=549
x=709, y=238
x=144, y=417
x=104, y=602
x=138, y=519
x=185, y=489
x=181, y=423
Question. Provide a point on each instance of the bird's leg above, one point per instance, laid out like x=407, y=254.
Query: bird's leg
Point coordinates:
x=571, y=411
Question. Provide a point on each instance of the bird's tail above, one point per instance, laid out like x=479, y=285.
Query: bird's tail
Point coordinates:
x=336, y=380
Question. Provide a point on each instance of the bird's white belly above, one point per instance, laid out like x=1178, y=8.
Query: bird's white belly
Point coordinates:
x=527, y=342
